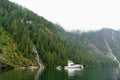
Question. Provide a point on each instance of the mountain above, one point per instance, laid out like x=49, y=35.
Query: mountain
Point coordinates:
x=105, y=42
x=24, y=33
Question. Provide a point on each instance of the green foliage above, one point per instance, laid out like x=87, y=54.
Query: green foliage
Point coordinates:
x=9, y=54
x=54, y=45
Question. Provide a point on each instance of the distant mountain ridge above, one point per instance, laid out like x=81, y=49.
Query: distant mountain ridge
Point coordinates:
x=104, y=41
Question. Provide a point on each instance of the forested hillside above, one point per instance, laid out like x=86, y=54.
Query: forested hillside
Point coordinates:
x=9, y=54
x=54, y=45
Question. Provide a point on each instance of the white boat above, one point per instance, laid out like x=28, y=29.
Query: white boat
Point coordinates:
x=72, y=68
x=72, y=65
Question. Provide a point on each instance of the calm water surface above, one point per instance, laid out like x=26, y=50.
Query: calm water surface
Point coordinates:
x=53, y=74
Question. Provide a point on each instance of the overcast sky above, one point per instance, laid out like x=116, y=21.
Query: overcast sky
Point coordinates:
x=77, y=14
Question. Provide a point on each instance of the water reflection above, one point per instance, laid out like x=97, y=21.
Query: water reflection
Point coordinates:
x=18, y=74
x=53, y=74
x=73, y=71
x=115, y=74
x=39, y=73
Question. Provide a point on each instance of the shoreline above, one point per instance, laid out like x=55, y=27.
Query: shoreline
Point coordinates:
x=30, y=67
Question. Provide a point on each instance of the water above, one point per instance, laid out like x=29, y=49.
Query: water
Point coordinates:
x=111, y=55
x=39, y=60
x=53, y=74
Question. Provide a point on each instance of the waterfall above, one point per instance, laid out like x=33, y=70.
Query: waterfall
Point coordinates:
x=38, y=58
x=111, y=54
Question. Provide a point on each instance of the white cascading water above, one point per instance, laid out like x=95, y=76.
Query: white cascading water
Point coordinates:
x=39, y=62
x=111, y=53
x=38, y=58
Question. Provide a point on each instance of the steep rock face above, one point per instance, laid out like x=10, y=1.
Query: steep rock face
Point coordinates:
x=112, y=40
x=105, y=42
